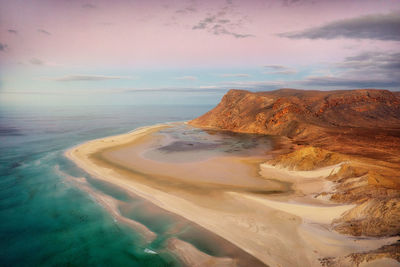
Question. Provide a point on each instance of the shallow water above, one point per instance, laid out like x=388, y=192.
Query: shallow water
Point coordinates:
x=191, y=160
x=184, y=143
x=46, y=219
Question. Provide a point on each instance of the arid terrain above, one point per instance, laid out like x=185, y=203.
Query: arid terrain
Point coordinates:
x=359, y=129
x=316, y=183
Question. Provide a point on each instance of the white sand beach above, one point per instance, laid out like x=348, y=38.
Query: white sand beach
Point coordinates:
x=277, y=230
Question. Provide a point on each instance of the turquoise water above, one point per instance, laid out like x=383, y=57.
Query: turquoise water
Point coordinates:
x=46, y=219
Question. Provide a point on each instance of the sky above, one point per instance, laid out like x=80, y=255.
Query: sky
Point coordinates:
x=82, y=47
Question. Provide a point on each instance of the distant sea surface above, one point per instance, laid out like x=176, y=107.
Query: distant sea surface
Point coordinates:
x=44, y=218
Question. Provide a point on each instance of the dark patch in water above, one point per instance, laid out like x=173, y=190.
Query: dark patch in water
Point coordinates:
x=10, y=131
x=178, y=146
x=186, y=139
x=15, y=165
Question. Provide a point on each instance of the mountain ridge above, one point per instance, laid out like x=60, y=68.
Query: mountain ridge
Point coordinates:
x=320, y=118
x=358, y=128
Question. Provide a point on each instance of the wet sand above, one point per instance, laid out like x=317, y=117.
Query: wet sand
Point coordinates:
x=253, y=207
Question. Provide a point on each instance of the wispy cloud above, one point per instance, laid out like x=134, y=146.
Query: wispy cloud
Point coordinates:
x=279, y=70
x=186, y=10
x=205, y=23
x=364, y=70
x=187, y=78
x=89, y=6
x=254, y=85
x=219, y=29
x=290, y=2
x=284, y=72
x=374, y=65
x=376, y=27
x=43, y=32
x=208, y=87
x=79, y=77
x=3, y=47
x=350, y=83
x=275, y=67
x=36, y=61
x=12, y=31
x=239, y=75
x=222, y=23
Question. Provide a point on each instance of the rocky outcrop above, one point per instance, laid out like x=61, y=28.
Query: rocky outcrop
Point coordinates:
x=357, y=181
x=388, y=251
x=359, y=122
x=308, y=158
x=358, y=128
x=374, y=217
x=290, y=112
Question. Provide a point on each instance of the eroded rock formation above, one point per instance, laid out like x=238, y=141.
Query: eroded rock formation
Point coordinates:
x=358, y=128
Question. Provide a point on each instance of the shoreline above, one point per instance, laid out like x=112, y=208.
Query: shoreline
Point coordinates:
x=245, y=228
x=179, y=247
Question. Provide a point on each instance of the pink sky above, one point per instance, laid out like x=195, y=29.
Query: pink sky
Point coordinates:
x=148, y=33
x=81, y=36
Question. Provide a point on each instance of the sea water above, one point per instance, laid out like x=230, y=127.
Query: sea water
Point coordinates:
x=45, y=218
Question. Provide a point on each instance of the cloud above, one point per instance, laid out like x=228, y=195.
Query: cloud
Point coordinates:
x=89, y=6
x=75, y=78
x=275, y=67
x=186, y=10
x=289, y=2
x=43, y=32
x=241, y=75
x=279, y=70
x=12, y=31
x=364, y=70
x=376, y=27
x=208, y=87
x=328, y=81
x=203, y=24
x=186, y=78
x=284, y=72
x=36, y=61
x=223, y=21
x=219, y=29
x=384, y=65
x=254, y=85
x=218, y=24
x=3, y=47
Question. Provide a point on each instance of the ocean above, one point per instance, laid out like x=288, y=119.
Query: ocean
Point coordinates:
x=46, y=219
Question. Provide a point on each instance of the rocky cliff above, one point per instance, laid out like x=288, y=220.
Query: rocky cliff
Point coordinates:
x=322, y=128
x=358, y=122
x=290, y=112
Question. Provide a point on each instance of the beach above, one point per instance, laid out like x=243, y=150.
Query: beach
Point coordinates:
x=268, y=212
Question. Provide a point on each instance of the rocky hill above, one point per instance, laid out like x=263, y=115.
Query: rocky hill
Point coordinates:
x=360, y=128
x=290, y=112
x=350, y=118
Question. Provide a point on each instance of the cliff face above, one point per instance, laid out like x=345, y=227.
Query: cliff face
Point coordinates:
x=358, y=127
x=322, y=118
x=290, y=112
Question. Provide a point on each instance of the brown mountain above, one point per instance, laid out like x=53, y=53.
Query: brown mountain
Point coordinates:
x=343, y=121
x=360, y=128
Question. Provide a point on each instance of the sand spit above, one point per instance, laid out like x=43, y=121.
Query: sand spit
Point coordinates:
x=275, y=232
x=191, y=256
